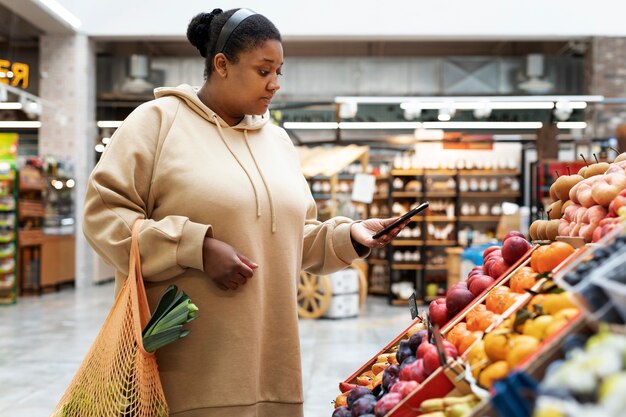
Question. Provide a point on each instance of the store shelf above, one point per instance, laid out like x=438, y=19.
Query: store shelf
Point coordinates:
x=377, y=261
x=441, y=243
x=406, y=242
x=486, y=219
x=489, y=194
x=406, y=267
x=436, y=267
x=440, y=172
x=397, y=302
x=440, y=194
x=439, y=219
x=405, y=194
x=407, y=172
x=489, y=172
x=380, y=196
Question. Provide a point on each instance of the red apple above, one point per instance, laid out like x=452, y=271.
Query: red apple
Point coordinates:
x=489, y=264
x=495, y=254
x=489, y=250
x=457, y=299
x=514, y=248
x=413, y=372
x=511, y=234
x=498, y=268
x=438, y=312
x=387, y=403
x=431, y=360
x=480, y=284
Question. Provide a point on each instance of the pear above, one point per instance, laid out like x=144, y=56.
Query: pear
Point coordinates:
x=564, y=183
x=596, y=169
x=555, y=210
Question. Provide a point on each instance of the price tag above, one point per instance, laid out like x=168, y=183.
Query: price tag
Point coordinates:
x=413, y=306
x=363, y=188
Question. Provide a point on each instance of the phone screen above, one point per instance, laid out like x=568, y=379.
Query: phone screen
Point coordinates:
x=400, y=220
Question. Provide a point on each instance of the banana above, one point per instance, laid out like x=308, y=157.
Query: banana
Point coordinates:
x=434, y=404
x=448, y=401
x=434, y=414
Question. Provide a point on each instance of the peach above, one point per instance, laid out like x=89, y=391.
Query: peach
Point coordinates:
x=499, y=268
x=480, y=284
x=607, y=188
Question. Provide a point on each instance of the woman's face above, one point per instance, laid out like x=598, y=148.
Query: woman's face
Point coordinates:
x=253, y=80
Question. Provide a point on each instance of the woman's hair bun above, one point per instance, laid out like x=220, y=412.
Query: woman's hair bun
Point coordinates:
x=198, y=31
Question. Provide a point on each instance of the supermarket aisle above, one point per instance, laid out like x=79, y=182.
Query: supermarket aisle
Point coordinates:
x=43, y=339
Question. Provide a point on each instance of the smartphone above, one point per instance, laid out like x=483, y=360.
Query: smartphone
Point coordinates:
x=400, y=220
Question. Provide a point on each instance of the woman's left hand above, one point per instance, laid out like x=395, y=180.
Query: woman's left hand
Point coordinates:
x=363, y=231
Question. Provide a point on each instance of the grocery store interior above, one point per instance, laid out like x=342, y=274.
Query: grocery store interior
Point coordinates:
x=506, y=296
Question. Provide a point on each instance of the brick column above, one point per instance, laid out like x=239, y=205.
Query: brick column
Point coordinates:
x=68, y=127
x=606, y=67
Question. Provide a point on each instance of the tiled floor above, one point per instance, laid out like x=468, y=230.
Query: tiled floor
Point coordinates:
x=43, y=339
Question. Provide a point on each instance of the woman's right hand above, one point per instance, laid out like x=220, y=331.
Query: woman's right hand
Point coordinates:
x=224, y=265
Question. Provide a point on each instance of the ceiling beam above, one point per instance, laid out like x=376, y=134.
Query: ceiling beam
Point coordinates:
x=40, y=15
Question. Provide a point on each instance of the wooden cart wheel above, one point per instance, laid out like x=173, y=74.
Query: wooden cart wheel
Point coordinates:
x=362, y=286
x=314, y=295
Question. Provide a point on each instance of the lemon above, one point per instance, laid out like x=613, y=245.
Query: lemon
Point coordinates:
x=537, y=326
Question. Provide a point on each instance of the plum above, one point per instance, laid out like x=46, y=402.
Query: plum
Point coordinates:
x=415, y=340
x=364, y=405
x=407, y=361
x=356, y=393
x=342, y=412
x=404, y=351
x=390, y=376
x=387, y=403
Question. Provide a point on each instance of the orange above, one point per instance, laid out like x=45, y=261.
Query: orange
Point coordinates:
x=468, y=340
x=480, y=321
x=497, y=344
x=520, y=347
x=474, y=312
x=522, y=280
x=536, y=255
x=556, y=253
x=495, y=296
x=455, y=334
x=492, y=373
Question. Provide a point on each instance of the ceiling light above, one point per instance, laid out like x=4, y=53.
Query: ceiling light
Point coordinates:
x=311, y=125
x=18, y=124
x=99, y=148
x=70, y=183
x=379, y=125
x=482, y=125
x=483, y=111
x=446, y=113
x=348, y=109
x=439, y=100
x=4, y=94
x=10, y=105
x=563, y=110
x=109, y=124
x=106, y=140
x=571, y=125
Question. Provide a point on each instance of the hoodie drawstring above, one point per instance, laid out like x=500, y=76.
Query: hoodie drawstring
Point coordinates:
x=256, y=194
x=267, y=188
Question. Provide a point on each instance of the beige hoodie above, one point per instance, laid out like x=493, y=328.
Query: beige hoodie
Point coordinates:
x=176, y=163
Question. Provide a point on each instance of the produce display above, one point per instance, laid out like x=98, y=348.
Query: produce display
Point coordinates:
x=585, y=204
x=515, y=314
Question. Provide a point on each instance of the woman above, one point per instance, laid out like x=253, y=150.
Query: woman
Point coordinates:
x=231, y=221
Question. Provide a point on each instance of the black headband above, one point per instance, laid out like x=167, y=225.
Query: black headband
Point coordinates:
x=231, y=24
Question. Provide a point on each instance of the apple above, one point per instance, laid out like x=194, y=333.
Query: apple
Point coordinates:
x=496, y=253
x=489, y=250
x=431, y=360
x=457, y=299
x=387, y=403
x=607, y=188
x=499, y=268
x=514, y=248
x=480, y=284
x=423, y=347
x=511, y=234
x=404, y=388
x=413, y=372
x=438, y=312
x=489, y=264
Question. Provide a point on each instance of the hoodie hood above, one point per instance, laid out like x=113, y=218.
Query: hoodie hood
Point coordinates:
x=189, y=95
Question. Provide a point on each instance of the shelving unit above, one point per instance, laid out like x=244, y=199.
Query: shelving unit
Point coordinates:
x=8, y=219
x=439, y=226
x=31, y=212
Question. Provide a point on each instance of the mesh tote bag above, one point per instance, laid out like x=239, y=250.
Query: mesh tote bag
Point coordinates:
x=118, y=378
